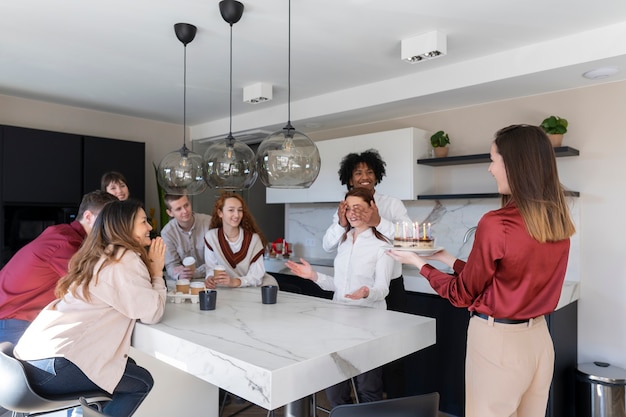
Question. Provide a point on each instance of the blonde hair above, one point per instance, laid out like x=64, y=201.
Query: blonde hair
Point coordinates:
x=534, y=182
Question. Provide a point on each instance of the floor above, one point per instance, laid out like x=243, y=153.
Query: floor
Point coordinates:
x=241, y=409
x=237, y=408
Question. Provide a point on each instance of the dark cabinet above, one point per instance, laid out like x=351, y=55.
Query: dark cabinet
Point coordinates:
x=41, y=167
x=441, y=367
x=295, y=284
x=102, y=155
x=43, y=176
x=563, y=326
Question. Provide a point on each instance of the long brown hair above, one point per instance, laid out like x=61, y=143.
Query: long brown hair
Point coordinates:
x=367, y=196
x=247, y=221
x=110, y=237
x=534, y=182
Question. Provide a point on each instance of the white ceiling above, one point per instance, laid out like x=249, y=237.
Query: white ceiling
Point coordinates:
x=123, y=57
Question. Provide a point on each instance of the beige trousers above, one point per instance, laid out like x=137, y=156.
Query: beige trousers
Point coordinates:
x=508, y=368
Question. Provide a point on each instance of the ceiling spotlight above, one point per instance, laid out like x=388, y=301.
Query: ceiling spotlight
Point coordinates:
x=426, y=46
x=599, y=73
x=257, y=93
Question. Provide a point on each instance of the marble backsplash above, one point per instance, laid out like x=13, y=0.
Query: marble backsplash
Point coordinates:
x=305, y=225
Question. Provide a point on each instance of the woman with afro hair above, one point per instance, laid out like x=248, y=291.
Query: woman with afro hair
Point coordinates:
x=366, y=170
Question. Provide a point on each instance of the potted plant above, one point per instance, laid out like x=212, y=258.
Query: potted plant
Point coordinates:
x=555, y=127
x=439, y=142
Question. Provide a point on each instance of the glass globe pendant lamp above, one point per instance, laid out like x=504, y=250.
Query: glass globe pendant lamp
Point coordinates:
x=230, y=164
x=182, y=171
x=288, y=158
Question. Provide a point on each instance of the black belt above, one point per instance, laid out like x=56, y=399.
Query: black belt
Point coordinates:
x=503, y=321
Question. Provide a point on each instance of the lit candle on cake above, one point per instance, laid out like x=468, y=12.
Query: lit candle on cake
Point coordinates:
x=426, y=241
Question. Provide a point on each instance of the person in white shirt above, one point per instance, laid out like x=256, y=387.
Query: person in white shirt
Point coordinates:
x=184, y=237
x=366, y=170
x=80, y=341
x=235, y=242
x=361, y=277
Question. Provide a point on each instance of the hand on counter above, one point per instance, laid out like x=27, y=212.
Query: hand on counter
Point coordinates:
x=362, y=292
x=303, y=270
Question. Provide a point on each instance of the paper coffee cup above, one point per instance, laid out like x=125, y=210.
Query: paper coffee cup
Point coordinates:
x=218, y=268
x=190, y=262
x=182, y=285
x=196, y=287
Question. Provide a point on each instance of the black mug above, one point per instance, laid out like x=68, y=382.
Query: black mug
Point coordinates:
x=207, y=299
x=269, y=293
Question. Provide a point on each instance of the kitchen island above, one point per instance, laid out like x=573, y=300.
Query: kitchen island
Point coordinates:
x=441, y=367
x=271, y=355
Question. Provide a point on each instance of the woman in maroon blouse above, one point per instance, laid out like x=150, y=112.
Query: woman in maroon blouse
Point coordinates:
x=512, y=278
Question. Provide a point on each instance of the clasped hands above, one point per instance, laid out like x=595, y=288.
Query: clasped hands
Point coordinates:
x=156, y=255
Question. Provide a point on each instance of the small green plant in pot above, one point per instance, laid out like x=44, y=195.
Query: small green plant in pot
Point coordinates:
x=439, y=142
x=555, y=127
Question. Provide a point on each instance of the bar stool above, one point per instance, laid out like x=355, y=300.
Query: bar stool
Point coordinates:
x=17, y=396
x=424, y=405
x=88, y=410
x=327, y=411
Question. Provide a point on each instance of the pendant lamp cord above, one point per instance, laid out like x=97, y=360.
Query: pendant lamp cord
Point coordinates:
x=185, y=98
x=230, y=126
x=289, y=66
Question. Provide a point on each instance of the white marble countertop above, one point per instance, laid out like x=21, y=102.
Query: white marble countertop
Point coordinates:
x=414, y=282
x=272, y=355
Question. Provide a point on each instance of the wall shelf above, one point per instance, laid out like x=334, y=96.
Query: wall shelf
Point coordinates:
x=482, y=158
x=475, y=195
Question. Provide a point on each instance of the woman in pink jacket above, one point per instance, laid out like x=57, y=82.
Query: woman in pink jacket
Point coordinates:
x=80, y=342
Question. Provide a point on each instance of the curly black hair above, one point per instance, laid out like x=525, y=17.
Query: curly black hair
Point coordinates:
x=370, y=157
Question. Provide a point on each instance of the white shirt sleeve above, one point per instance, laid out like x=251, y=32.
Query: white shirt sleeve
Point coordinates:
x=255, y=274
x=333, y=235
x=325, y=282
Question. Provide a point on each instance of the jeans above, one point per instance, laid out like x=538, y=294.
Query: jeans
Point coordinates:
x=58, y=376
x=12, y=329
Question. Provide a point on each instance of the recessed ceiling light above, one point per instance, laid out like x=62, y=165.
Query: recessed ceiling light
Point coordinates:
x=599, y=73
